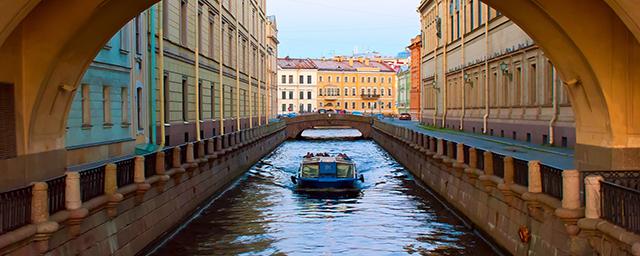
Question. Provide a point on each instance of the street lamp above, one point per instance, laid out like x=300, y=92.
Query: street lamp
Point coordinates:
x=467, y=80
x=505, y=70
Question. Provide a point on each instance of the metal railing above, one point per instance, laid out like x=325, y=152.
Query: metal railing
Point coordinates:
x=551, y=181
x=465, y=153
x=91, y=183
x=168, y=158
x=521, y=172
x=56, y=189
x=125, y=171
x=150, y=164
x=15, y=209
x=480, y=159
x=183, y=153
x=498, y=165
x=620, y=205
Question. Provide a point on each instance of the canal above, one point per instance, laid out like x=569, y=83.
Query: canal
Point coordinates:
x=261, y=214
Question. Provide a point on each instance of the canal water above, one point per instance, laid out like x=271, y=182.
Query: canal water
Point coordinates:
x=261, y=214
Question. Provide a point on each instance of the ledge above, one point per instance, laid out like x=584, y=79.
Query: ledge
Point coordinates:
x=612, y=230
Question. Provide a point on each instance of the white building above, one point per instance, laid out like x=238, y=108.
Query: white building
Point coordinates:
x=297, y=85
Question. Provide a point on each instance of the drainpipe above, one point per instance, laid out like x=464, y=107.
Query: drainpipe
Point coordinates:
x=435, y=80
x=238, y=72
x=161, y=77
x=152, y=74
x=555, y=106
x=250, y=100
x=486, y=72
x=220, y=67
x=444, y=72
x=464, y=83
x=197, y=73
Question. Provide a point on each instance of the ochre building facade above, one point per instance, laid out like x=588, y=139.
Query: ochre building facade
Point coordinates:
x=481, y=73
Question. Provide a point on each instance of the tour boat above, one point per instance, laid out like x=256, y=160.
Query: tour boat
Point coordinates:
x=322, y=172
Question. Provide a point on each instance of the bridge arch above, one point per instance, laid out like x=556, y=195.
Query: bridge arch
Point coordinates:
x=45, y=46
x=296, y=125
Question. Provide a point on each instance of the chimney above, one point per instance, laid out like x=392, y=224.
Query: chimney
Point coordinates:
x=366, y=61
x=350, y=62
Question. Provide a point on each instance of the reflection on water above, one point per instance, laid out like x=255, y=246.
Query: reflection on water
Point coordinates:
x=331, y=133
x=262, y=215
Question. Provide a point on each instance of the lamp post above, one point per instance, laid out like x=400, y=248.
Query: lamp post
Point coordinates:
x=504, y=67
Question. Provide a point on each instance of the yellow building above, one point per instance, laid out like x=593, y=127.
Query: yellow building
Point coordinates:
x=360, y=84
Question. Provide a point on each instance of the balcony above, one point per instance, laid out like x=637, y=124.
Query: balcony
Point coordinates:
x=369, y=96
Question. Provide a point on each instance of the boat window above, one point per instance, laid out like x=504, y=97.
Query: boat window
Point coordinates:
x=310, y=171
x=344, y=171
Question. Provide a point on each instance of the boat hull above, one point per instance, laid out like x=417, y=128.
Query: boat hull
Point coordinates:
x=327, y=184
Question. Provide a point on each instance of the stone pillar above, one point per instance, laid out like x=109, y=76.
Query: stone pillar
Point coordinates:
x=110, y=179
x=160, y=168
x=440, y=148
x=40, y=216
x=176, y=157
x=592, y=199
x=219, y=143
x=39, y=203
x=210, y=146
x=432, y=144
x=73, y=203
x=571, y=189
x=138, y=173
x=190, y=158
x=488, y=163
x=460, y=153
x=508, y=170
x=201, y=145
x=535, y=181
x=72, y=200
x=473, y=158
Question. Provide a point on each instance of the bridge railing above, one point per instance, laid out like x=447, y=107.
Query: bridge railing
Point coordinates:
x=15, y=208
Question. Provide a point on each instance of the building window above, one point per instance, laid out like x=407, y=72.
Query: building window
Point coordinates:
x=290, y=107
x=375, y=79
x=185, y=99
x=353, y=91
x=382, y=91
x=309, y=108
x=183, y=22
x=361, y=79
x=320, y=92
x=167, y=93
x=211, y=35
x=389, y=90
x=301, y=79
x=337, y=79
x=346, y=79
x=329, y=79
x=362, y=105
x=86, y=105
x=284, y=95
x=106, y=105
x=290, y=79
x=320, y=104
x=199, y=17
x=346, y=105
x=284, y=107
x=301, y=107
x=213, y=103
x=389, y=80
x=346, y=91
x=361, y=91
x=139, y=108
x=138, y=28
x=353, y=79
x=301, y=95
x=165, y=17
x=124, y=39
x=338, y=104
x=309, y=95
x=290, y=95
x=368, y=79
x=320, y=78
x=532, y=85
x=309, y=80
x=284, y=79
x=353, y=105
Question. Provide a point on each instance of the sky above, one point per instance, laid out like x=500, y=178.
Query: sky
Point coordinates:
x=324, y=28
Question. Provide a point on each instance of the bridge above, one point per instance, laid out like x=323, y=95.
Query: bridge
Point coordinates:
x=123, y=206
x=296, y=125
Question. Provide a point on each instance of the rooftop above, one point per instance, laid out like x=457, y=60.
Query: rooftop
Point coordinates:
x=291, y=63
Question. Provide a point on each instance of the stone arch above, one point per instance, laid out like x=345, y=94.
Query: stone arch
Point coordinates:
x=45, y=48
x=594, y=45
x=296, y=125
